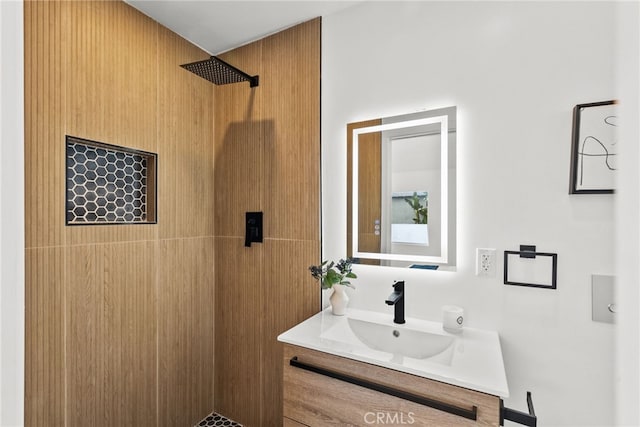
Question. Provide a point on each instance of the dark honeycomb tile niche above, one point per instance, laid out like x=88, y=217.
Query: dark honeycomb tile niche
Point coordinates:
x=108, y=184
x=217, y=420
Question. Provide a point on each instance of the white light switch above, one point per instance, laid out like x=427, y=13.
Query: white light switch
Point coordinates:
x=603, y=303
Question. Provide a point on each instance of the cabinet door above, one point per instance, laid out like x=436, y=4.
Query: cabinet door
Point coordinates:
x=315, y=399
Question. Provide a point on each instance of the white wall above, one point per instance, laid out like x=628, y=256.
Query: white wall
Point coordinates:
x=514, y=70
x=11, y=215
x=627, y=218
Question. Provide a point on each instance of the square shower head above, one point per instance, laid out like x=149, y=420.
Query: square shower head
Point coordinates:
x=219, y=72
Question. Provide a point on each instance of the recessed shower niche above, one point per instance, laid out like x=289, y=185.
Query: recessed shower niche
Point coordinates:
x=108, y=184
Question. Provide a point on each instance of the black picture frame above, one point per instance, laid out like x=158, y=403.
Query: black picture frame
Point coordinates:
x=594, y=127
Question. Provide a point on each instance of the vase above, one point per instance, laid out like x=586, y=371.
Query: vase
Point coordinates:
x=339, y=300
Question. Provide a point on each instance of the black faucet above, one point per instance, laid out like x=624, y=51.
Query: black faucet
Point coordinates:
x=397, y=300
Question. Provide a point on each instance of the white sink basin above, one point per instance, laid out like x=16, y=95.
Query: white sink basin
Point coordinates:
x=471, y=359
x=370, y=335
x=405, y=342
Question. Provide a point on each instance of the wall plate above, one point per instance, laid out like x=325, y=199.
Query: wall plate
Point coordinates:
x=603, y=302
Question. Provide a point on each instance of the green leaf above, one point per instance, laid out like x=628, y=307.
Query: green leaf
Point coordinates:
x=329, y=273
x=333, y=277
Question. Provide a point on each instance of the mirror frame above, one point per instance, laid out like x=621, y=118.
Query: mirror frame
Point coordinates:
x=443, y=121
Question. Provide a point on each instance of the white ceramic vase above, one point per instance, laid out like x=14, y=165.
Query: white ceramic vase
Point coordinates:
x=339, y=300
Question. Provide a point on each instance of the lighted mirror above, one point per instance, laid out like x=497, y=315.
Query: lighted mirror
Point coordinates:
x=401, y=190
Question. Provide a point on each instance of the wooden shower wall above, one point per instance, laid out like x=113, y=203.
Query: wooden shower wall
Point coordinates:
x=120, y=322
x=267, y=152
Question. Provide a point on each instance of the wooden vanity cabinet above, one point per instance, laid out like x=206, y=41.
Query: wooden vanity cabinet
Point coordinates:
x=311, y=398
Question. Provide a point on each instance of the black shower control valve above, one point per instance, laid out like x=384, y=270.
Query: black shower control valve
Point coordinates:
x=253, y=228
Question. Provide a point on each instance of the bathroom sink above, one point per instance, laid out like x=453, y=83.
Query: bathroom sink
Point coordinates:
x=395, y=340
x=470, y=359
x=403, y=341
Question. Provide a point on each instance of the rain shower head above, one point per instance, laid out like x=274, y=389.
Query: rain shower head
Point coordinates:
x=219, y=72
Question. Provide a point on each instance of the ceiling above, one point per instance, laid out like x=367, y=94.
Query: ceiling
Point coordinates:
x=218, y=26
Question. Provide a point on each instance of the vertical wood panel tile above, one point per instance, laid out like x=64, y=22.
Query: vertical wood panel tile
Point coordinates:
x=185, y=142
x=267, y=159
x=111, y=312
x=111, y=91
x=238, y=135
x=288, y=299
x=185, y=330
x=45, y=66
x=130, y=313
x=85, y=335
x=112, y=78
x=238, y=330
x=92, y=72
x=291, y=98
x=45, y=364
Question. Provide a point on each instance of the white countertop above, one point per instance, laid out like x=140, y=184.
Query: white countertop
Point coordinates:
x=473, y=360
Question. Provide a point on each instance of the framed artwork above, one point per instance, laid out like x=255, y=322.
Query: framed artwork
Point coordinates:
x=594, y=148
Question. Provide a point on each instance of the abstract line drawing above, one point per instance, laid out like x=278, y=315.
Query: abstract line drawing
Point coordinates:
x=593, y=147
x=593, y=162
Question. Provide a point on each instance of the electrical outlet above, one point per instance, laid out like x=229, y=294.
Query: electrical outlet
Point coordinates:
x=485, y=262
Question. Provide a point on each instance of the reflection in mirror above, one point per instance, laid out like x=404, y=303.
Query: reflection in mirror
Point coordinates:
x=401, y=190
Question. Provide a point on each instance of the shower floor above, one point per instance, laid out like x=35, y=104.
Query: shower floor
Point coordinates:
x=217, y=420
